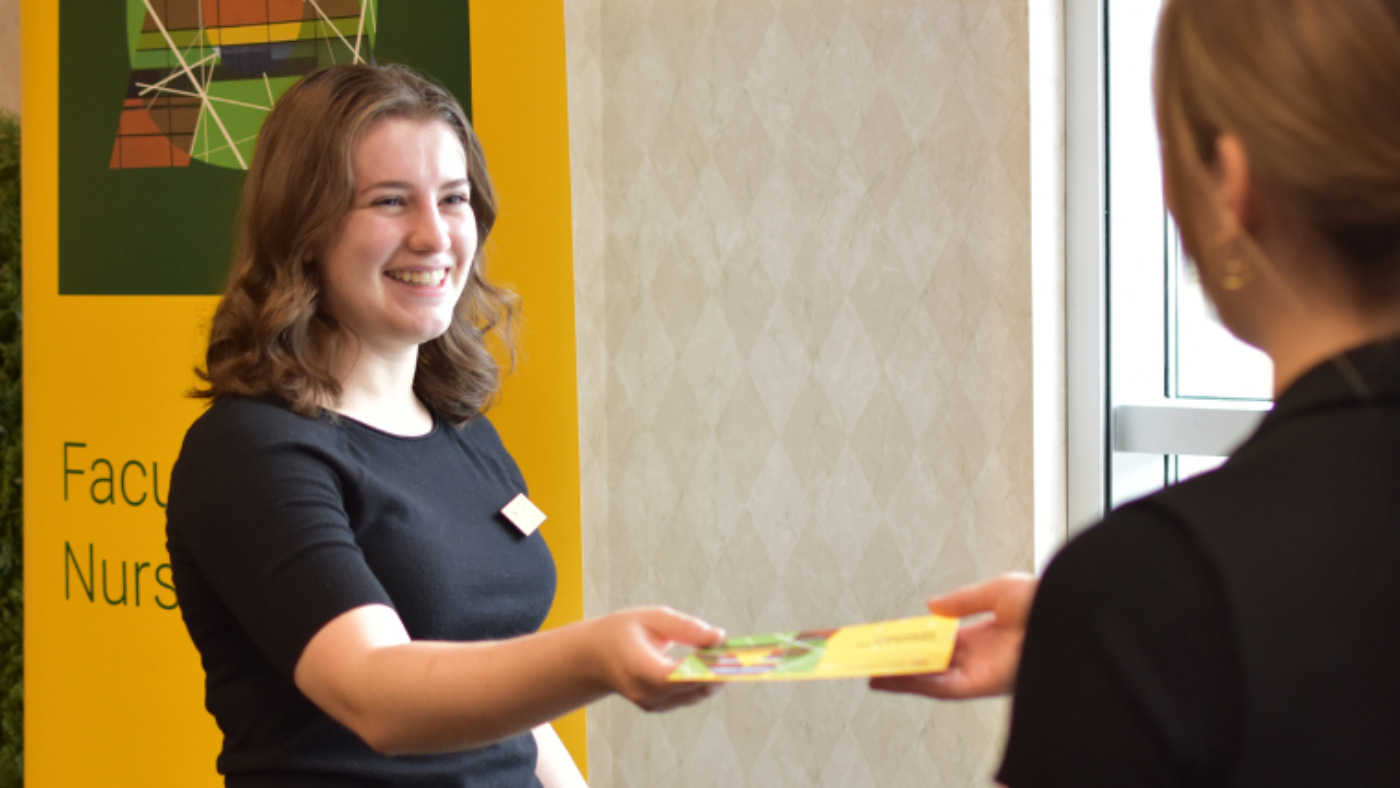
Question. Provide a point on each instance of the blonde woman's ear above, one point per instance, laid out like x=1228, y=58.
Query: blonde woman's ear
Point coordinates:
x=1235, y=188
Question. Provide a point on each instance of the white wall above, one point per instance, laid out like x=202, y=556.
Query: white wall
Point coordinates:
x=803, y=260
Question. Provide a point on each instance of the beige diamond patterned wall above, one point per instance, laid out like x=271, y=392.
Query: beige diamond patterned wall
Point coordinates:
x=802, y=233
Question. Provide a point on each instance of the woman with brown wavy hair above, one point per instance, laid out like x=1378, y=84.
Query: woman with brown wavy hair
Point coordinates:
x=1240, y=628
x=351, y=566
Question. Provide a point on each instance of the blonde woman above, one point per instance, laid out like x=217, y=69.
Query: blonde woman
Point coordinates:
x=1241, y=628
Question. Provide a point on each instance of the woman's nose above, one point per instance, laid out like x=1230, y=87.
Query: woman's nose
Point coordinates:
x=430, y=232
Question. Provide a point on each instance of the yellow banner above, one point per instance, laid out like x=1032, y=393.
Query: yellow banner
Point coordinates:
x=114, y=688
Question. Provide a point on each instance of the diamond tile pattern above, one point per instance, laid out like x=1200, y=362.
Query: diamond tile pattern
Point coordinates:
x=803, y=284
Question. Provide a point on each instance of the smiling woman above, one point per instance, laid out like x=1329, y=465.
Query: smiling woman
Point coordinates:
x=270, y=334
x=338, y=523
x=401, y=256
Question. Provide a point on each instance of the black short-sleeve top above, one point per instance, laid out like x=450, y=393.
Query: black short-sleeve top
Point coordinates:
x=1241, y=628
x=278, y=523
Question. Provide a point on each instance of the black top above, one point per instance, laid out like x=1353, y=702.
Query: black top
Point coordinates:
x=277, y=524
x=1240, y=628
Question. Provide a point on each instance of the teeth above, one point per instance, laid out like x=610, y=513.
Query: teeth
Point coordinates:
x=431, y=278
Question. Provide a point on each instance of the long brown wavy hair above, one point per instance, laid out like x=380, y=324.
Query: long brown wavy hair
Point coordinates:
x=271, y=333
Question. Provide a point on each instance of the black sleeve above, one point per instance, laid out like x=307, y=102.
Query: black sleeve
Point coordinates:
x=257, y=506
x=1130, y=673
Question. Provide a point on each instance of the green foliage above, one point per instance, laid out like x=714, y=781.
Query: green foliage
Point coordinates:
x=11, y=466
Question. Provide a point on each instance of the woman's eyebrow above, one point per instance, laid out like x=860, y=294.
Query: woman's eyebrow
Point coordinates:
x=398, y=185
x=455, y=183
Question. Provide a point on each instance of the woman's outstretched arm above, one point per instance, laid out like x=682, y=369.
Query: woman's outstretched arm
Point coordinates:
x=403, y=696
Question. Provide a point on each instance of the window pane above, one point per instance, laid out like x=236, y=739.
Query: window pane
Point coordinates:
x=1209, y=361
x=1166, y=344
x=1188, y=465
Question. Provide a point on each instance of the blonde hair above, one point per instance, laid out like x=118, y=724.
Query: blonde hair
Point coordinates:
x=1311, y=88
x=270, y=333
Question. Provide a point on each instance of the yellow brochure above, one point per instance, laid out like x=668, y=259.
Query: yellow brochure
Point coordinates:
x=885, y=648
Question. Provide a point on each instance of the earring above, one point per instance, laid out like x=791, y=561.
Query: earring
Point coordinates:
x=1236, y=274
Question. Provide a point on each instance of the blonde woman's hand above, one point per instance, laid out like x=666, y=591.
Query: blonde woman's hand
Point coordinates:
x=631, y=650
x=988, y=651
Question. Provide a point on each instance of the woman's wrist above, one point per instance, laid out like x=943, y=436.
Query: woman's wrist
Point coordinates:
x=589, y=641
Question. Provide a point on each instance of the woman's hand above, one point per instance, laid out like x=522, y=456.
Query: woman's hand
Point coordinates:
x=630, y=649
x=988, y=651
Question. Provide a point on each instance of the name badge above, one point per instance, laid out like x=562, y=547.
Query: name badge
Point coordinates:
x=523, y=514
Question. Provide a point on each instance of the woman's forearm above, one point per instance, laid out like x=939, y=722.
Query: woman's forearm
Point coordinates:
x=404, y=696
x=432, y=697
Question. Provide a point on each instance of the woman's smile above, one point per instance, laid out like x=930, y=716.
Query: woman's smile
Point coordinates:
x=430, y=279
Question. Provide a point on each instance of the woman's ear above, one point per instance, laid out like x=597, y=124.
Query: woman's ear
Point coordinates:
x=1235, y=191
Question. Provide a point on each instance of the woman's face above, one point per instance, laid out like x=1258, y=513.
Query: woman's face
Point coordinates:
x=397, y=265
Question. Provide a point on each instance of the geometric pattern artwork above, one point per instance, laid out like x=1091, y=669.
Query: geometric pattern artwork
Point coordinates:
x=173, y=157
x=205, y=73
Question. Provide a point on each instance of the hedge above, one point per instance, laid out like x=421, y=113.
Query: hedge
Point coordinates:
x=11, y=466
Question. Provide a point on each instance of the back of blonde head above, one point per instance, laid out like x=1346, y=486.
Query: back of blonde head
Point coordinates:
x=1312, y=90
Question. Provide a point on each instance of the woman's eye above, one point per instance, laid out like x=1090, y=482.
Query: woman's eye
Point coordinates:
x=456, y=199
x=389, y=201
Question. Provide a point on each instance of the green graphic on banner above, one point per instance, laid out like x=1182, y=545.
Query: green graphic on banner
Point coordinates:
x=204, y=75
x=160, y=103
